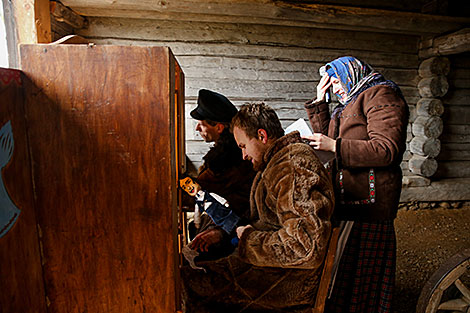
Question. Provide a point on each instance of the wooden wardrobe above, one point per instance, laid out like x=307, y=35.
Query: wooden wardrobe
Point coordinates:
x=98, y=148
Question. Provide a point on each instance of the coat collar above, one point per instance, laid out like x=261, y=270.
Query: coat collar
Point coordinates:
x=280, y=143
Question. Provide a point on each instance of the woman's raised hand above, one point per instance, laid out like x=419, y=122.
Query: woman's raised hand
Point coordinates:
x=322, y=87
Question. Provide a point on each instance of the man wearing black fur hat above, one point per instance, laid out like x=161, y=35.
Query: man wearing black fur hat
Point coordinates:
x=224, y=172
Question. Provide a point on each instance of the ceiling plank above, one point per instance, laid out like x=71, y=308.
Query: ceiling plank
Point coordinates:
x=273, y=12
x=454, y=43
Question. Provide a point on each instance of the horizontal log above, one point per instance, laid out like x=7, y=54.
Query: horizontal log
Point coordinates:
x=422, y=166
x=453, y=155
x=460, y=61
x=457, y=147
x=427, y=147
x=261, y=11
x=458, y=73
x=460, y=84
x=457, y=97
x=64, y=14
x=429, y=107
x=415, y=181
x=271, y=70
x=252, y=90
x=454, y=189
x=430, y=127
x=434, y=66
x=456, y=115
x=264, y=52
x=455, y=138
x=453, y=169
x=454, y=43
x=430, y=87
x=246, y=34
x=456, y=129
x=60, y=29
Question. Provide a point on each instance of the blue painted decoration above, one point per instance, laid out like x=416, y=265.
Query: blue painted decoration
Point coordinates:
x=8, y=211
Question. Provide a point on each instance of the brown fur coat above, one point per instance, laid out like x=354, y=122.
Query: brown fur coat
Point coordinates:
x=277, y=265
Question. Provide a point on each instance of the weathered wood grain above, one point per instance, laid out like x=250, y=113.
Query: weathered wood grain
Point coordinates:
x=431, y=87
x=453, y=169
x=422, y=166
x=428, y=147
x=456, y=115
x=434, y=66
x=454, y=189
x=429, y=107
x=104, y=167
x=247, y=34
x=318, y=15
x=459, y=97
x=21, y=281
x=390, y=60
x=430, y=127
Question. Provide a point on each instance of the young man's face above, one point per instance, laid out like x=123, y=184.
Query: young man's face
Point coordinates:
x=208, y=132
x=252, y=148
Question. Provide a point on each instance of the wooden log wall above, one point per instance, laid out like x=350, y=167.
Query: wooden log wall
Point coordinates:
x=248, y=62
x=454, y=159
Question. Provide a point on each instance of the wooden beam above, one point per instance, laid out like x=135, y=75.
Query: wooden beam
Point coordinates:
x=273, y=12
x=42, y=21
x=454, y=43
x=32, y=21
x=66, y=15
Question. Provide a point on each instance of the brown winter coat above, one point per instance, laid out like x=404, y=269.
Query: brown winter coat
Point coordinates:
x=277, y=265
x=372, y=136
x=291, y=204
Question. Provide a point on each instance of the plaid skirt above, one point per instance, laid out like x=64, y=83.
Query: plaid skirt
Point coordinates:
x=366, y=273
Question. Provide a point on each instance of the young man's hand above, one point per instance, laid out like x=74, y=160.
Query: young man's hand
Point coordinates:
x=241, y=229
x=207, y=238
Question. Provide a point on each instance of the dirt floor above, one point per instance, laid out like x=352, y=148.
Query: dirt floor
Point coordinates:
x=427, y=235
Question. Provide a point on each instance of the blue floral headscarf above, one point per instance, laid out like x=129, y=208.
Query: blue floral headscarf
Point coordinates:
x=355, y=76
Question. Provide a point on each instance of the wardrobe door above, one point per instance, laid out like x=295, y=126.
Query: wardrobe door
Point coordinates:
x=103, y=150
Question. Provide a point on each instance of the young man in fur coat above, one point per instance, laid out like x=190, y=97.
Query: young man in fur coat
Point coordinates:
x=224, y=172
x=278, y=262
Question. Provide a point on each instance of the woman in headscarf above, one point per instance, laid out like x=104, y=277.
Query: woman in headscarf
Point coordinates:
x=367, y=133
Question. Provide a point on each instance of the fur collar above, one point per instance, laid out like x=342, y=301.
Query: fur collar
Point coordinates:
x=279, y=144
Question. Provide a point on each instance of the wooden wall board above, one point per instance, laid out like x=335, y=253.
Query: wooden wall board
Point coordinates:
x=248, y=34
x=292, y=13
x=21, y=283
x=104, y=168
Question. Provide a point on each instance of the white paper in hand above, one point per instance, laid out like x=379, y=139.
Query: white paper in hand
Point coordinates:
x=301, y=126
x=304, y=130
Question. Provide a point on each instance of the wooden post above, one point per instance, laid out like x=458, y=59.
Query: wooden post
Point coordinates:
x=29, y=22
x=42, y=20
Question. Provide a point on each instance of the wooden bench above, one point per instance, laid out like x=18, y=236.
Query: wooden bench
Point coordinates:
x=327, y=272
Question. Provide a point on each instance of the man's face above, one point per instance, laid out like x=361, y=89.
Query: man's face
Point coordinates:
x=208, y=133
x=252, y=148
